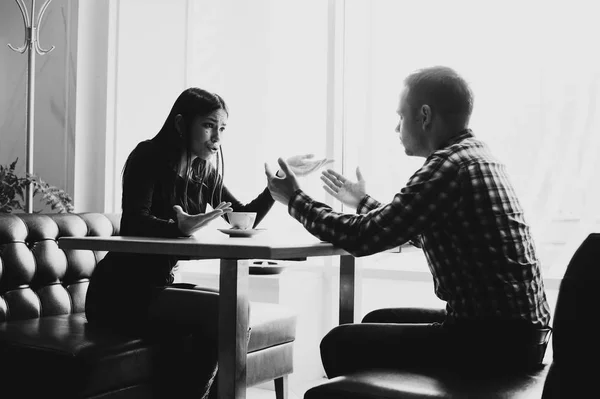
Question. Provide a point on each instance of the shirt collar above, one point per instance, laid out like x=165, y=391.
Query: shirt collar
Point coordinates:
x=457, y=138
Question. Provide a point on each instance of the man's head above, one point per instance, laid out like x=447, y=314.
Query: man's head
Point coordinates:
x=435, y=104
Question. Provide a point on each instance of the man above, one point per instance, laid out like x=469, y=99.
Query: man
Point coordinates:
x=463, y=211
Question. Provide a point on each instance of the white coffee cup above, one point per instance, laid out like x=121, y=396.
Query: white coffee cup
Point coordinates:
x=242, y=220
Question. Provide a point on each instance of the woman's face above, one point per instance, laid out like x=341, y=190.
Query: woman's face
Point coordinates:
x=206, y=133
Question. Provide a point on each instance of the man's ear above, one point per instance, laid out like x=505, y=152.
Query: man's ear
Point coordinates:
x=179, y=124
x=425, y=116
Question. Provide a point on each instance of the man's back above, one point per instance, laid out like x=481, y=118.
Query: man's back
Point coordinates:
x=478, y=245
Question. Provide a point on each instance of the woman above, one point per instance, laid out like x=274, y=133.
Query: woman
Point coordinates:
x=167, y=182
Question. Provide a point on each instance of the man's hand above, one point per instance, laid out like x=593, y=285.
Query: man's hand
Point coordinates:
x=303, y=165
x=348, y=192
x=189, y=224
x=282, y=188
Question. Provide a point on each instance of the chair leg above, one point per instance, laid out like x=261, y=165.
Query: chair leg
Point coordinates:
x=281, y=387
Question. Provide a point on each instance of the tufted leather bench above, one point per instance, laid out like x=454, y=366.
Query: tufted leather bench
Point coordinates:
x=47, y=348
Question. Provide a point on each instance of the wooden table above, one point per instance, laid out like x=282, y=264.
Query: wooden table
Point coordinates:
x=233, y=281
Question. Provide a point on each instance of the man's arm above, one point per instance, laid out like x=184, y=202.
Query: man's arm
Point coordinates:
x=430, y=194
x=367, y=204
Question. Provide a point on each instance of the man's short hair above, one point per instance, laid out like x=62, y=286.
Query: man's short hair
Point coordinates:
x=444, y=90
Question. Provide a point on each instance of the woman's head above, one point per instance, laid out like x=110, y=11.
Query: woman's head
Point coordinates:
x=191, y=137
x=195, y=124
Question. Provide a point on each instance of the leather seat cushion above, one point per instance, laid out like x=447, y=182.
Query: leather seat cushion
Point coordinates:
x=47, y=350
x=66, y=347
x=396, y=384
x=271, y=325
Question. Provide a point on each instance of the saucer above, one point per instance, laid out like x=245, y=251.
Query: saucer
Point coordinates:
x=241, y=233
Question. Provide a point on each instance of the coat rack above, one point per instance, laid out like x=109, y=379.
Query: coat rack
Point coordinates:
x=32, y=45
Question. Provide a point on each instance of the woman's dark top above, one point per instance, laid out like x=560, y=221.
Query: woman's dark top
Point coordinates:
x=122, y=284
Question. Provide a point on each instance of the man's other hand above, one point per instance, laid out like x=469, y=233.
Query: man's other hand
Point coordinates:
x=346, y=191
x=282, y=188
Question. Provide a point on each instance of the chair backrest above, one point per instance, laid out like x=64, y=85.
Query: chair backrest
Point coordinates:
x=576, y=311
x=575, y=344
x=36, y=277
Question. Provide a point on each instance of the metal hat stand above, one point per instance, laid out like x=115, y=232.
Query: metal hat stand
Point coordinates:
x=32, y=45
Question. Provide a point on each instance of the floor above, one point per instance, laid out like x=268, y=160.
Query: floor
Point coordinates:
x=297, y=390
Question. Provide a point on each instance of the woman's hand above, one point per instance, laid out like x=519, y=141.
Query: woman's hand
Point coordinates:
x=303, y=165
x=189, y=224
x=348, y=192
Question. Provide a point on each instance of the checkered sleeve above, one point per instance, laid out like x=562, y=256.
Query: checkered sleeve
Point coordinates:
x=366, y=204
x=429, y=195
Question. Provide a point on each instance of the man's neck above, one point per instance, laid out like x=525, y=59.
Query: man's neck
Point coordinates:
x=441, y=138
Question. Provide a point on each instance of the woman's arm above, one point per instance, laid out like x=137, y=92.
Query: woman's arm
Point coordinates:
x=262, y=204
x=143, y=173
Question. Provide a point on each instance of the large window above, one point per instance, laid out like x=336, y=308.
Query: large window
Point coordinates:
x=536, y=80
x=324, y=77
x=268, y=59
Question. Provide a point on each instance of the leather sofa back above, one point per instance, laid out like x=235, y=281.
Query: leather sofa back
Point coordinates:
x=36, y=277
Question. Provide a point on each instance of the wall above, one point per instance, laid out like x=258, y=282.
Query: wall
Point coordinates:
x=130, y=68
x=55, y=77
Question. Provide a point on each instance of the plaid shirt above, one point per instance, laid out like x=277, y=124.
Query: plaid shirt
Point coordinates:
x=461, y=207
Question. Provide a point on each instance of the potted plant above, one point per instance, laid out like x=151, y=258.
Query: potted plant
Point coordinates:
x=13, y=188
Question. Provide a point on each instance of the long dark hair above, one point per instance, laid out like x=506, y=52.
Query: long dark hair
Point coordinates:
x=191, y=104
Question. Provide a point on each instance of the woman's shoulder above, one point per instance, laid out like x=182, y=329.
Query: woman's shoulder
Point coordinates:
x=146, y=154
x=145, y=147
x=147, y=150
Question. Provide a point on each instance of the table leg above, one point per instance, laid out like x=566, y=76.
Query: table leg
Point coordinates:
x=233, y=329
x=347, y=288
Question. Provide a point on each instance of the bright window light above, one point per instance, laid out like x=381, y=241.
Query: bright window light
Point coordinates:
x=536, y=81
x=531, y=64
x=268, y=59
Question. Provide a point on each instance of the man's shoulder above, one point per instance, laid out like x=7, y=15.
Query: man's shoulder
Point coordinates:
x=466, y=152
